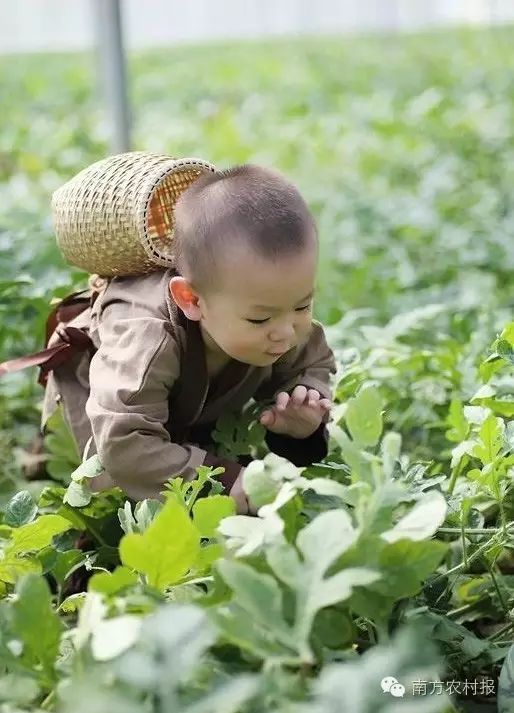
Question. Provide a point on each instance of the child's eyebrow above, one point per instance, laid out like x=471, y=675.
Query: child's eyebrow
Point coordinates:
x=275, y=309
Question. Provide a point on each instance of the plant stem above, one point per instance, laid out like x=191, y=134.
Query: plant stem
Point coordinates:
x=463, y=542
x=465, y=608
x=499, y=592
x=501, y=631
x=503, y=517
x=459, y=567
x=92, y=530
x=306, y=671
x=383, y=633
x=371, y=631
x=474, y=530
x=45, y=705
x=454, y=476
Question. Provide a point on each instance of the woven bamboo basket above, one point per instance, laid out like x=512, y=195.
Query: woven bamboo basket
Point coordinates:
x=116, y=216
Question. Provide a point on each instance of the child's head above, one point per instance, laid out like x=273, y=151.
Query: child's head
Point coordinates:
x=246, y=248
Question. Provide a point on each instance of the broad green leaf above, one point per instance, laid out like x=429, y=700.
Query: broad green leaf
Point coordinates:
x=324, y=486
x=90, y=693
x=484, y=392
x=362, y=685
x=506, y=684
x=126, y=518
x=237, y=432
x=16, y=688
x=228, y=697
x=248, y=535
x=61, y=447
x=111, y=637
x=404, y=566
x=12, y=568
x=476, y=414
x=171, y=645
x=361, y=469
x=234, y=624
x=208, y=513
x=92, y=610
x=338, y=588
x=418, y=557
x=462, y=449
x=78, y=495
x=89, y=468
x=457, y=636
x=505, y=350
x=490, y=366
x=334, y=628
x=144, y=513
x=324, y=539
x=321, y=543
x=207, y=556
x=390, y=450
x=20, y=509
x=260, y=483
x=374, y=507
x=65, y=563
x=166, y=550
x=364, y=417
x=459, y=426
x=259, y=595
x=422, y=521
x=112, y=582
x=502, y=407
x=491, y=439
x=35, y=622
x=37, y=534
x=508, y=333
x=73, y=603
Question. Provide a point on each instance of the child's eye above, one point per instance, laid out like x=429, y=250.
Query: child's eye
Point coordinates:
x=261, y=321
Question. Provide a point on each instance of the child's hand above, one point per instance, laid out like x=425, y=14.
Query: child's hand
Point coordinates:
x=298, y=415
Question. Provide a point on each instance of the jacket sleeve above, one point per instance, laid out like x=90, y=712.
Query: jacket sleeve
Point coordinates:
x=131, y=374
x=310, y=365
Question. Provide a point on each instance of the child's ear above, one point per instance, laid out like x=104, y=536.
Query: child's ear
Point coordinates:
x=185, y=297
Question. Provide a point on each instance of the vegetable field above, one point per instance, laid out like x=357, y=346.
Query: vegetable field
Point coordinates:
x=380, y=580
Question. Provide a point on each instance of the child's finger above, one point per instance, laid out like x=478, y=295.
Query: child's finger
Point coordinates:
x=282, y=400
x=313, y=396
x=267, y=418
x=298, y=395
x=326, y=403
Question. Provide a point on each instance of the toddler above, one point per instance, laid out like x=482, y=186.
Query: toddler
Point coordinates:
x=175, y=349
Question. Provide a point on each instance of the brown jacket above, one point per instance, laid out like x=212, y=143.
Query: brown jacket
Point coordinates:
x=146, y=398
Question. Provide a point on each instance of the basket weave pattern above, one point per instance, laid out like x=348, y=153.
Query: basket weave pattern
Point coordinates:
x=116, y=216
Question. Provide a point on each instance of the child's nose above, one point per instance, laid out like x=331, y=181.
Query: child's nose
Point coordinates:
x=283, y=334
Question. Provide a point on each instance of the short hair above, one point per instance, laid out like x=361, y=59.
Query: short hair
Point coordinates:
x=255, y=205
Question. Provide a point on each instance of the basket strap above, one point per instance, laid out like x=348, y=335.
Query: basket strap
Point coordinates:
x=67, y=309
x=73, y=341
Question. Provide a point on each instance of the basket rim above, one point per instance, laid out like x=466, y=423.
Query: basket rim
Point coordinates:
x=146, y=194
x=148, y=170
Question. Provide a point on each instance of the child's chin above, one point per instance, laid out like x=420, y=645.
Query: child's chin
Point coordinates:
x=270, y=358
x=263, y=360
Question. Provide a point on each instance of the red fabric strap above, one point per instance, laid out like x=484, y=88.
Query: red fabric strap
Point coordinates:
x=73, y=341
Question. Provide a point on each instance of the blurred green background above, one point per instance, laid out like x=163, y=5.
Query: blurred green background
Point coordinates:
x=402, y=145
